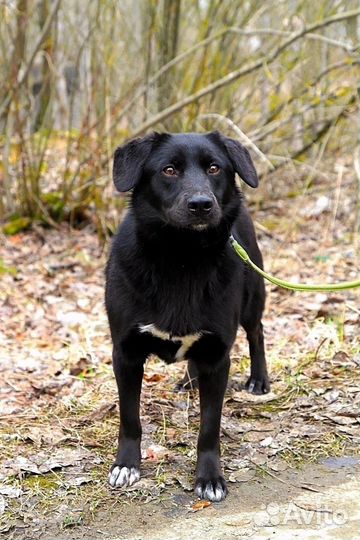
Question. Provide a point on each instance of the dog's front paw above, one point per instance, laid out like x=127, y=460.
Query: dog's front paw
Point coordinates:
x=214, y=490
x=123, y=476
x=258, y=386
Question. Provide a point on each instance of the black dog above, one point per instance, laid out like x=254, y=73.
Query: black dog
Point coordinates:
x=176, y=288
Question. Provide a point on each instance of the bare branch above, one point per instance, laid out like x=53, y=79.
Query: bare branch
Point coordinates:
x=234, y=75
x=245, y=139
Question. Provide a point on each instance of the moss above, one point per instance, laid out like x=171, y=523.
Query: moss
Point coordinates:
x=54, y=203
x=49, y=481
x=16, y=225
x=5, y=269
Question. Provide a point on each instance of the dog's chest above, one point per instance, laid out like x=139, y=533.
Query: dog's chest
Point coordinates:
x=168, y=347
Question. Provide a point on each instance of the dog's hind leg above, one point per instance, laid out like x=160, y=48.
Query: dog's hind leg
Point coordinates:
x=258, y=382
x=126, y=469
x=190, y=379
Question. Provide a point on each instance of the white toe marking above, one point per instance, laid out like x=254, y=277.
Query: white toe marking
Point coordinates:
x=211, y=494
x=123, y=476
x=134, y=476
x=113, y=476
x=218, y=494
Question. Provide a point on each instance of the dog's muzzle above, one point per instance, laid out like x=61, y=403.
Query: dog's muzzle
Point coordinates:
x=196, y=211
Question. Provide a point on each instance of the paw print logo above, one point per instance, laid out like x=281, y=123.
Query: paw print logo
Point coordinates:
x=273, y=511
x=268, y=516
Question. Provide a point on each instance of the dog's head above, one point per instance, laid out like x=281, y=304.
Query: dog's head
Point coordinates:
x=184, y=180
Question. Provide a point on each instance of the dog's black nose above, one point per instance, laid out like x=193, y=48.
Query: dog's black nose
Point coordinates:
x=200, y=204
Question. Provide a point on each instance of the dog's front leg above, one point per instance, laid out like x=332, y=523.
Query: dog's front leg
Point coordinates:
x=126, y=469
x=210, y=483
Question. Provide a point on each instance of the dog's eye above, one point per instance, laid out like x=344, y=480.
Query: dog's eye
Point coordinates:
x=169, y=170
x=213, y=169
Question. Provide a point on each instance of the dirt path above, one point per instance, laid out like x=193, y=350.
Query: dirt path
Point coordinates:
x=321, y=499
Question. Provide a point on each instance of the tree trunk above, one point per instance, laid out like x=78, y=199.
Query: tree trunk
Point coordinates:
x=43, y=112
x=168, y=43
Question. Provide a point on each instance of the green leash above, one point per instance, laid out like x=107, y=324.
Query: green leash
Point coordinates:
x=286, y=284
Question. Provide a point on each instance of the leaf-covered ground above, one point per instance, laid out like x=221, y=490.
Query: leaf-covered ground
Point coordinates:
x=59, y=416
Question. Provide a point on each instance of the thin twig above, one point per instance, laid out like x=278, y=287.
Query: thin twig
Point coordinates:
x=247, y=141
x=317, y=137
x=269, y=126
x=357, y=172
x=337, y=198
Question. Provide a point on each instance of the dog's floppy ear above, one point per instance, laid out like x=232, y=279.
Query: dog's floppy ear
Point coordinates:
x=129, y=161
x=241, y=160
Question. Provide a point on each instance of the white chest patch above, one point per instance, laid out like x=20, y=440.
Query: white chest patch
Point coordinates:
x=186, y=341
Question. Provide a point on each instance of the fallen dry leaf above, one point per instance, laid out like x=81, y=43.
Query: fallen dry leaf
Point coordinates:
x=99, y=413
x=153, y=378
x=200, y=505
x=46, y=435
x=81, y=366
x=156, y=452
x=277, y=466
x=243, y=475
x=42, y=463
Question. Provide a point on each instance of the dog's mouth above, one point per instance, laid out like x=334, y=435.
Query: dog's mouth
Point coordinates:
x=200, y=226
